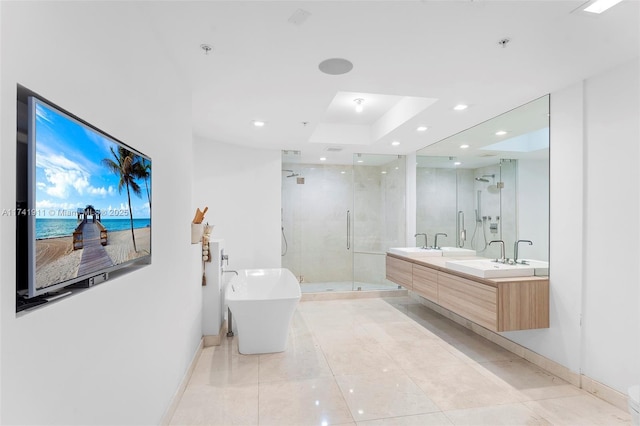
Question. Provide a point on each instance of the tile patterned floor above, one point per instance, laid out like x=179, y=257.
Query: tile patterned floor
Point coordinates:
x=381, y=362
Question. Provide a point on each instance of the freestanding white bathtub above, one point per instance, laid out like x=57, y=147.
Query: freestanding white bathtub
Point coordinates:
x=262, y=303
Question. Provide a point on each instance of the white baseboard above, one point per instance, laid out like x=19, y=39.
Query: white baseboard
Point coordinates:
x=166, y=418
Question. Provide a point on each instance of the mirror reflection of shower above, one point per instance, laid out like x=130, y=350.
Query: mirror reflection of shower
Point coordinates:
x=285, y=243
x=479, y=237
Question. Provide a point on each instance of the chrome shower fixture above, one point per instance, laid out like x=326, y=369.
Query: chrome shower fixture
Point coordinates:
x=484, y=178
x=293, y=174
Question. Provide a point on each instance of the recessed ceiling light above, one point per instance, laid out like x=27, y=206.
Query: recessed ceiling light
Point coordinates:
x=600, y=6
x=501, y=132
x=457, y=163
x=460, y=107
x=395, y=143
x=360, y=161
x=359, y=106
x=206, y=48
x=258, y=123
x=323, y=158
x=464, y=146
x=342, y=172
x=421, y=128
x=384, y=172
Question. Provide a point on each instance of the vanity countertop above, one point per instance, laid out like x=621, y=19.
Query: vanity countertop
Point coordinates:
x=438, y=263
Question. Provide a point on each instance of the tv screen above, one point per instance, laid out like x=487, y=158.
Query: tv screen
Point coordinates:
x=88, y=207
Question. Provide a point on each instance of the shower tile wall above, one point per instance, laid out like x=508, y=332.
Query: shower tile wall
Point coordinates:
x=314, y=220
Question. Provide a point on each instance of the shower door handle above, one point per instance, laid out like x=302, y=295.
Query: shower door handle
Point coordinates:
x=348, y=229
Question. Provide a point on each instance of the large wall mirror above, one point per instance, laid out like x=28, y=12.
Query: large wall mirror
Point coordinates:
x=489, y=182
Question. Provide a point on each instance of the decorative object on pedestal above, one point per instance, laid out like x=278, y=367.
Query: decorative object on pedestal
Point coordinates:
x=206, y=255
x=196, y=225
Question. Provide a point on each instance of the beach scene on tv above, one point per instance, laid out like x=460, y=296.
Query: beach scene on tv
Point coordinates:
x=92, y=200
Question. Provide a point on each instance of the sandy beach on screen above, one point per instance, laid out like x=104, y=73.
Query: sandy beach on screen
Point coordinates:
x=57, y=261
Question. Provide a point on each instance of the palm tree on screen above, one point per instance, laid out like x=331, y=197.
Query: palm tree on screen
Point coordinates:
x=125, y=166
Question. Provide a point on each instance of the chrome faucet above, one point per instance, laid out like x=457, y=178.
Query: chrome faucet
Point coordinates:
x=515, y=251
x=435, y=243
x=502, y=258
x=425, y=240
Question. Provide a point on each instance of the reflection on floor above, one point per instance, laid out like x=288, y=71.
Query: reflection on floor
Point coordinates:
x=344, y=286
x=381, y=362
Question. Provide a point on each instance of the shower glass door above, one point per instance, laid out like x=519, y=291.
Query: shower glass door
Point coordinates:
x=317, y=212
x=378, y=217
x=338, y=221
x=325, y=220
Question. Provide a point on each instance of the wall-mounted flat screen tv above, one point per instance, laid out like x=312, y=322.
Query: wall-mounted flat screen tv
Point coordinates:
x=84, y=200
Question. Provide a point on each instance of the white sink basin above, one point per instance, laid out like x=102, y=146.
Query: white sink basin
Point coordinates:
x=455, y=251
x=415, y=252
x=485, y=268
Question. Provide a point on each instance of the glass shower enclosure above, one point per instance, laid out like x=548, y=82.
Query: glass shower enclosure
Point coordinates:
x=338, y=220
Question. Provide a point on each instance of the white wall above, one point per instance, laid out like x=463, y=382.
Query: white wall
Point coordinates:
x=114, y=354
x=241, y=187
x=594, y=201
x=561, y=342
x=611, y=335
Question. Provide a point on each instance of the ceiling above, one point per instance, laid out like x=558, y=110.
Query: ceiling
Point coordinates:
x=413, y=61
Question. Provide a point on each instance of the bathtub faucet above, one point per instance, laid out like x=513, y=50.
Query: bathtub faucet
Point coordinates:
x=230, y=270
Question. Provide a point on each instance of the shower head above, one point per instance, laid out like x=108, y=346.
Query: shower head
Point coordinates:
x=484, y=178
x=293, y=174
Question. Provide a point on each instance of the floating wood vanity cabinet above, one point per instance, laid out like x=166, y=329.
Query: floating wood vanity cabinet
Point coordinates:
x=502, y=304
x=474, y=301
x=400, y=272
x=425, y=282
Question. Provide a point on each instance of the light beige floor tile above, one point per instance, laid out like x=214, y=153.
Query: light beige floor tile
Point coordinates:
x=507, y=415
x=478, y=349
x=379, y=396
x=579, y=410
x=359, y=359
x=433, y=419
x=393, y=332
x=300, y=364
x=458, y=386
x=397, y=357
x=214, y=405
x=421, y=355
x=302, y=402
x=337, y=337
x=446, y=330
x=224, y=365
x=532, y=382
